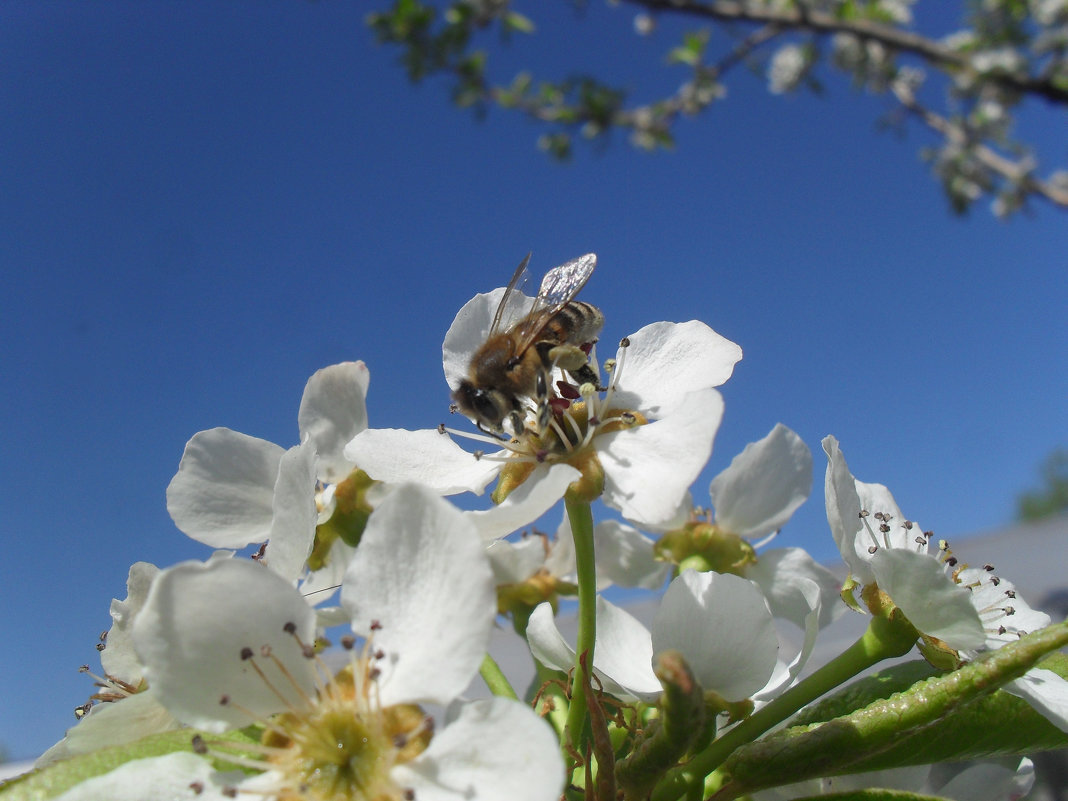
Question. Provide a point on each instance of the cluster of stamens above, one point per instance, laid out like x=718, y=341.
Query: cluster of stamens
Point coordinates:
x=339, y=743
x=564, y=423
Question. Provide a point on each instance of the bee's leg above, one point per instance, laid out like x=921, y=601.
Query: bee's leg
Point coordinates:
x=495, y=434
x=541, y=391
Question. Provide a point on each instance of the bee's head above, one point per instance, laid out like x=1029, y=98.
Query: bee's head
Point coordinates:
x=488, y=407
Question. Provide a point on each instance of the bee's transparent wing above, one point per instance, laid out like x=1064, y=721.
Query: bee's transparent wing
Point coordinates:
x=512, y=293
x=559, y=286
x=562, y=283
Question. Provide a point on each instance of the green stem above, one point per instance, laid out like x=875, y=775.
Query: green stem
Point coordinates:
x=580, y=516
x=883, y=640
x=495, y=679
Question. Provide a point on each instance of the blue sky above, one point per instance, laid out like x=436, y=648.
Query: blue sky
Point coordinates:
x=201, y=205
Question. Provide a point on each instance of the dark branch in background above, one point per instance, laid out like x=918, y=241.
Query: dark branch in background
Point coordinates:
x=976, y=157
x=822, y=23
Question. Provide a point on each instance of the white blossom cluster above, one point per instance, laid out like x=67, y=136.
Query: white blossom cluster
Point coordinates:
x=220, y=645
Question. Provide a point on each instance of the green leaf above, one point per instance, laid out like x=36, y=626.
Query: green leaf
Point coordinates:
x=954, y=716
x=59, y=777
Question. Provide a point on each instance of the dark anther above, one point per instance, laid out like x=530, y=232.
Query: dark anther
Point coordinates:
x=246, y=653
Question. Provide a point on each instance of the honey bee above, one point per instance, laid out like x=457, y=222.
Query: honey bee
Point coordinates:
x=517, y=363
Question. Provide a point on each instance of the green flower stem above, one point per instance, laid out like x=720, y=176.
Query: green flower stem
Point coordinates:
x=495, y=679
x=580, y=516
x=884, y=639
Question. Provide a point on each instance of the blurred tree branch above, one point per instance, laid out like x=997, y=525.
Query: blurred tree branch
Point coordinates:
x=1006, y=52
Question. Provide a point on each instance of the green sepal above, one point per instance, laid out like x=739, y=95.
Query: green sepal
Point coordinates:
x=351, y=512
x=55, y=779
x=949, y=717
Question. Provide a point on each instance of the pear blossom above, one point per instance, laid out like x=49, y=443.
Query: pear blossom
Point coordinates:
x=753, y=498
x=232, y=490
x=650, y=432
x=228, y=643
x=720, y=623
x=882, y=547
x=969, y=610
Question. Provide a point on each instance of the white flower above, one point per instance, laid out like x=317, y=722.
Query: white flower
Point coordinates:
x=228, y=643
x=233, y=490
x=651, y=432
x=881, y=546
x=753, y=498
x=719, y=623
x=971, y=610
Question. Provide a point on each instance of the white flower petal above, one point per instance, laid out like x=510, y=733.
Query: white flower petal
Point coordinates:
x=666, y=361
x=1046, y=692
x=515, y=562
x=623, y=647
x=529, y=501
x=857, y=536
x=118, y=658
x=332, y=411
x=425, y=457
x=496, y=749
x=783, y=574
x=561, y=559
x=421, y=572
x=721, y=625
x=649, y=469
x=190, y=634
x=989, y=780
x=223, y=492
x=931, y=601
x=783, y=677
x=1004, y=612
x=763, y=485
x=295, y=515
x=172, y=777
x=624, y=653
x=115, y=723
x=843, y=510
x=625, y=557
x=546, y=643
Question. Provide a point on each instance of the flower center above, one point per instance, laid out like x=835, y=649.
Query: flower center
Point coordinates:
x=341, y=744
